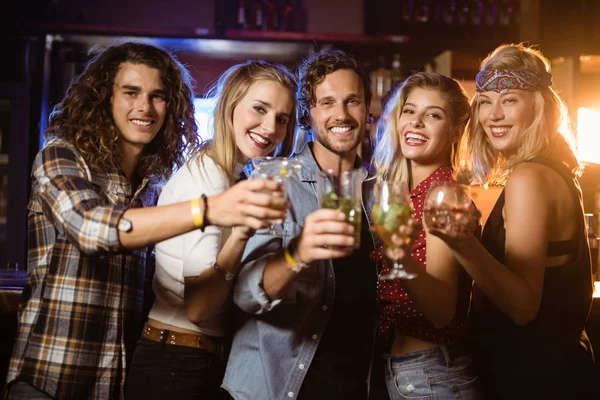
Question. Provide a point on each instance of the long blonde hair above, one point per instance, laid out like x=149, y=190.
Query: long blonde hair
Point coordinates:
x=389, y=161
x=229, y=90
x=549, y=135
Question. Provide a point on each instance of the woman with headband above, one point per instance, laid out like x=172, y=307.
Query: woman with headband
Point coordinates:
x=532, y=267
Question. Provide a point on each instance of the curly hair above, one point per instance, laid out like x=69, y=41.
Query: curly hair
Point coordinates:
x=312, y=72
x=388, y=159
x=229, y=90
x=548, y=135
x=84, y=117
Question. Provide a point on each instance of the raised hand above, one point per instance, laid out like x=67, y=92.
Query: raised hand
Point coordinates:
x=252, y=203
x=325, y=235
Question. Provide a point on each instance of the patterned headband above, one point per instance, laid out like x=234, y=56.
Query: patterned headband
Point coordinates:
x=501, y=80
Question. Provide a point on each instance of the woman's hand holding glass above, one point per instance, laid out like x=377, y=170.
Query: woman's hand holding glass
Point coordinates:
x=276, y=169
x=450, y=214
x=251, y=203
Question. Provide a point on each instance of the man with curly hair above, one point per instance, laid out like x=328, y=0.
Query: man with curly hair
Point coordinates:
x=308, y=325
x=124, y=125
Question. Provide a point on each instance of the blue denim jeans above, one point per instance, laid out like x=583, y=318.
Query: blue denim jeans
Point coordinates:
x=439, y=373
x=164, y=371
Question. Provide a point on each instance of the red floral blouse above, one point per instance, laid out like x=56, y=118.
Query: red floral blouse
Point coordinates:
x=397, y=308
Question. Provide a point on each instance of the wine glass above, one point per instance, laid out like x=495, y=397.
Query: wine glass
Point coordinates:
x=448, y=206
x=278, y=169
x=392, y=209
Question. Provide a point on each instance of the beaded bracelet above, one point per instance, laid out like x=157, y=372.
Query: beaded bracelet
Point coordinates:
x=226, y=274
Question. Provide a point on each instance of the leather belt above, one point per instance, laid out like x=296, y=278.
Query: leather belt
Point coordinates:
x=197, y=341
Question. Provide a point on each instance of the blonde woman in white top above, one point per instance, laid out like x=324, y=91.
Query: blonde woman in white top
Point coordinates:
x=178, y=354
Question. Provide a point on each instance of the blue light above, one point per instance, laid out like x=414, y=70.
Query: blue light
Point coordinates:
x=203, y=111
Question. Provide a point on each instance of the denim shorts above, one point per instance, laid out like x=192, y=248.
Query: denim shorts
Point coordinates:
x=439, y=373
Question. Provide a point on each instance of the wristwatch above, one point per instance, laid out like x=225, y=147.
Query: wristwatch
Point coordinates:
x=124, y=225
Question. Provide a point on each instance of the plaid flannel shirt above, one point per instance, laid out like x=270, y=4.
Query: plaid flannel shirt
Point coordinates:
x=81, y=310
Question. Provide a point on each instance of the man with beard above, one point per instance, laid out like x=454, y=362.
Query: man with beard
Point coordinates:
x=307, y=324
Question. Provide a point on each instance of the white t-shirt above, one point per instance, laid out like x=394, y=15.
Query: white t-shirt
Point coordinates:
x=191, y=253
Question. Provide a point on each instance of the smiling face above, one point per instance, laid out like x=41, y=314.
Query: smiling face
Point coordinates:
x=261, y=118
x=139, y=106
x=504, y=117
x=339, y=116
x=425, y=129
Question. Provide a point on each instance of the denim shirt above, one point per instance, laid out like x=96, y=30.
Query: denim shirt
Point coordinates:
x=275, y=340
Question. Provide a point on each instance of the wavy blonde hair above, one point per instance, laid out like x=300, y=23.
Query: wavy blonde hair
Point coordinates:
x=84, y=117
x=549, y=134
x=389, y=162
x=229, y=90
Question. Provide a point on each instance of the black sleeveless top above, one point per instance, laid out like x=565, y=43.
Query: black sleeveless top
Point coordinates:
x=550, y=357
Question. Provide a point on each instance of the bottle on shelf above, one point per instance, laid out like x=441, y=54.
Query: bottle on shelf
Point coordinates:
x=448, y=12
x=506, y=13
x=463, y=13
x=381, y=83
x=241, y=22
x=271, y=15
x=490, y=12
x=397, y=69
x=476, y=15
x=381, y=79
x=255, y=15
x=407, y=12
x=288, y=16
x=436, y=16
x=422, y=12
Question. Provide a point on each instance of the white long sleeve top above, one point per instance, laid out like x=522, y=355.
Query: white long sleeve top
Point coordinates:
x=191, y=253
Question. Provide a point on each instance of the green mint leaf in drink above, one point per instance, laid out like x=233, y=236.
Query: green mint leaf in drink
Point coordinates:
x=378, y=214
x=329, y=200
x=396, y=215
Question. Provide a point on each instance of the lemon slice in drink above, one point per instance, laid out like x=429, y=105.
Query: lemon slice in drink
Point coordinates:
x=285, y=170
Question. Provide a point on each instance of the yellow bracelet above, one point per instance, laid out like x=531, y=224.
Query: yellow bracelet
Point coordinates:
x=288, y=257
x=295, y=266
x=197, y=213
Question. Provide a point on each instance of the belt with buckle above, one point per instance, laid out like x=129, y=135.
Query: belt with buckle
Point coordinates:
x=197, y=341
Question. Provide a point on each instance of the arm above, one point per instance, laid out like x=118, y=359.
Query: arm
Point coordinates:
x=70, y=200
x=324, y=236
x=267, y=278
x=252, y=203
x=517, y=288
x=206, y=293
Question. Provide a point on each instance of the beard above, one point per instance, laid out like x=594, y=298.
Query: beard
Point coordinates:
x=346, y=145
